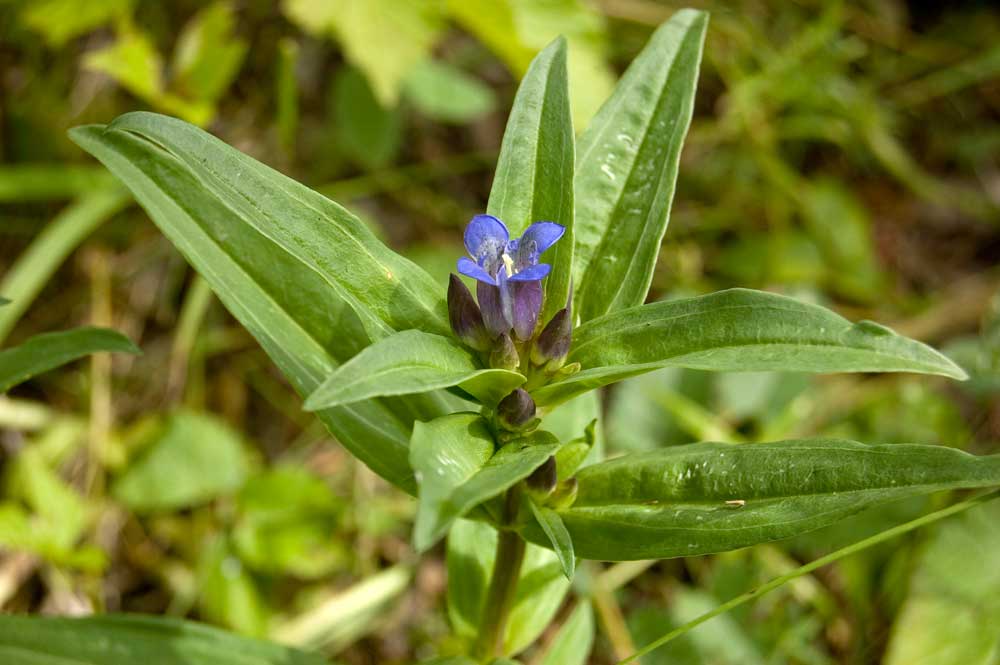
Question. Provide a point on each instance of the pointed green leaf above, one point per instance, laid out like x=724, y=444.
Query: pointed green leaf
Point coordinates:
x=559, y=538
x=47, y=351
x=122, y=639
x=738, y=330
x=713, y=497
x=534, y=176
x=457, y=469
x=627, y=167
x=307, y=278
x=412, y=362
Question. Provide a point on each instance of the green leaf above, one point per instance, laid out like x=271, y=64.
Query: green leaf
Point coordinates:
x=409, y=362
x=47, y=351
x=49, y=182
x=534, y=176
x=713, y=497
x=384, y=38
x=253, y=234
x=627, y=162
x=129, y=639
x=61, y=20
x=540, y=589
x=208, y=57
x=367, y=132
x=559, y=538
x=574, y=640
x=457, y=469
x=190, y=459
x=737, y=330
x=445, y=93
x=954, y=595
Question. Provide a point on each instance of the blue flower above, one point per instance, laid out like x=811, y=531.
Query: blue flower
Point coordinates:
x=507, y=272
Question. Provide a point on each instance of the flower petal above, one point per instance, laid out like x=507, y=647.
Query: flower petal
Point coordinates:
x=527, y=304
x=532, y=273
x=491, y=303
x=536, y=239
x=486, y=239
x=470, y=268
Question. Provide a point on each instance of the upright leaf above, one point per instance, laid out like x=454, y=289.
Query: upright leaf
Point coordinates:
x=50, y=350
x=738, y=330
x=457, y=469
x=559, y=538
x=306, y=277
x=627, y=165
x=534, y=176
x=712, y=497
x=129, y=639
x=409, y=362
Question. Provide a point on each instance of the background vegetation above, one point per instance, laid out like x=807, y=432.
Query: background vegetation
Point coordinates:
x=845, y=153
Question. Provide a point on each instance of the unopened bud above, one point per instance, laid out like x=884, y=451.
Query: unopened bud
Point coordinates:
x=552, y=345
x=504, y=354
x=564, y=494
x=516, y=411
x=465, y=317
x=543, y=480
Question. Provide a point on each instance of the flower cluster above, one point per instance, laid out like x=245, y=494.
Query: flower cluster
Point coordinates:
x=504, y=324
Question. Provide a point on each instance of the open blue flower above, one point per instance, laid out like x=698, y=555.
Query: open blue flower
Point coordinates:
x=507, y=272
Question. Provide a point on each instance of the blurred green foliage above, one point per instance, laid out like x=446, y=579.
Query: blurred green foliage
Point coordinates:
x=845, y=153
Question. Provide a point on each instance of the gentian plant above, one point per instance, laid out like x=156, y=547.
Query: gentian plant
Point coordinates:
x=484, y=406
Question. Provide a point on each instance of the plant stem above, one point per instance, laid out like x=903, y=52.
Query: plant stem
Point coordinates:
x=503, y=585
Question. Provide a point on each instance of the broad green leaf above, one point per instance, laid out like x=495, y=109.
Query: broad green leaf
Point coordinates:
x=737, y=330
x=384, y=38
x=61, y=20
x=627, y=161
x=534, y=176
x=47, y=351
x=713, y=497
x=129, y=639
x=447, y=94
x=954, y=598
x=574, y=640
x=208, y=56
x=409, y=362
x=253, y=234
x=190, y=459
x=457, y=469
x=559, y=538
x=31, y=271
x=540, y=590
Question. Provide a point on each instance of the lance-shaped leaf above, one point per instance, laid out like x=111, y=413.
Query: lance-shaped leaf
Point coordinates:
x=129, y=639
x=558, y=536
x=627, y=168
x=50, y=350
x=457, y=469
x=534, y=176
x=738, y=330
x=412, y=362
x=306, y=278
x=713, y=497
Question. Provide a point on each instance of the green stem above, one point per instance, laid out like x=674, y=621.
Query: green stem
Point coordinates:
x=810, y=567
x=503, y=586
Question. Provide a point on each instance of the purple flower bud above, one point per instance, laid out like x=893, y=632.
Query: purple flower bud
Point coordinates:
x=527, y=303
x=543, y=480
x=465, y=317
x=516, y=411
x=504, y=354
x=495, y=316
x=552, y=345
